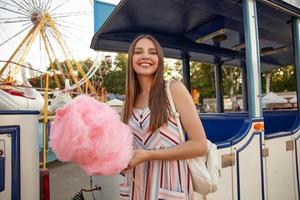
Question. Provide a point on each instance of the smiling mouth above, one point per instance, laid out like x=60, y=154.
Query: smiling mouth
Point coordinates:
x=145, y=64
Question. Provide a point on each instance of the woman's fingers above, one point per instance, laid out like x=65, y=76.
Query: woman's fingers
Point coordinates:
x=126, y=170
x=138, y=157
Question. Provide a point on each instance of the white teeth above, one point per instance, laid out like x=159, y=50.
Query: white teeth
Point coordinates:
x=145, y=64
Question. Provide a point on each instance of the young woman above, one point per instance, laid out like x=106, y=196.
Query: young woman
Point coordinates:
x=158, y=168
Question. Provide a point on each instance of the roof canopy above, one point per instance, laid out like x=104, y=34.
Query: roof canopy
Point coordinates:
x=202, y=29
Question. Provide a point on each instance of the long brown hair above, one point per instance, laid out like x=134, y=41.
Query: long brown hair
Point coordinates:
x=158, y=101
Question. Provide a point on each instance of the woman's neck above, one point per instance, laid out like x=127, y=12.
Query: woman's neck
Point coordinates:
x=145, y=84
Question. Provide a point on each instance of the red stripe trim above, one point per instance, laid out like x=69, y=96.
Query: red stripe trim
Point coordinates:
x=174, y=123
x=145, y=118
x=179, y=173
x=161, y=173
x=169, y=138
x=136, y=119
x=150, y=136
x=138, y=137
x=188, y=179
x=132, y=190
x=147, y=179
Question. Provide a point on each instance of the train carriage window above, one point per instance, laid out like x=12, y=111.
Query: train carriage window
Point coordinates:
x=232, y=88
x=172, y=69
x=203, y=86
x=279, y=88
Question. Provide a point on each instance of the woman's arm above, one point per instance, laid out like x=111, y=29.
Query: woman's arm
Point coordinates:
x=195, y=146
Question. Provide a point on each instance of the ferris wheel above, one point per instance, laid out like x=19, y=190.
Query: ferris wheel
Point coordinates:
x=49, y=34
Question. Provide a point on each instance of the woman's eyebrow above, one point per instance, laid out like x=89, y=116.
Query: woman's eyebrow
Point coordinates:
x=140, y=49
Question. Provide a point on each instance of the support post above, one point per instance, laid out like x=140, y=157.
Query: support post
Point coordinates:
x=218, y=83
x=296, y=40
x=244, y=87
x=252, y=58
x=45, y=119
x=186, y=71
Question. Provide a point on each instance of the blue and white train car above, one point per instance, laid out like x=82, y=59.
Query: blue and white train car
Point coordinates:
x=258, y=150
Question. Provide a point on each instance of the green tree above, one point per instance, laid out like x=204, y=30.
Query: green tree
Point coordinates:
x=172, y=69
x=114, y=79
x=231, y=80
x=202, y=79
x=281, y=79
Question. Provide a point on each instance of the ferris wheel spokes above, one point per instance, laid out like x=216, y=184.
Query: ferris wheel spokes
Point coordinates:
x=45, y=25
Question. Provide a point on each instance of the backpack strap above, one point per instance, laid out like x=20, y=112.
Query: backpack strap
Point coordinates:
x=175, y=113
x=176, y=116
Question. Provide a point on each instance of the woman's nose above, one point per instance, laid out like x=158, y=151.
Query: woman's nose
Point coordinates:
x=145, y=56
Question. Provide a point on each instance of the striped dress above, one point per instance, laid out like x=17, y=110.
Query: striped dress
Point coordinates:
x=156, y=180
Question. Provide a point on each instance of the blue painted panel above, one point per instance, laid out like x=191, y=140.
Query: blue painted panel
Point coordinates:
x=19, y=112
x=224, y=130
x=226, y=114
x=221, y=129
x=14, y=131
x=102, y=11
x=278, y=122
x=2, y=173
x=222, y=145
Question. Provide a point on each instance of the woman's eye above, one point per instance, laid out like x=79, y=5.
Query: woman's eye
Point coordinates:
x=137, y=52
x=153, y=52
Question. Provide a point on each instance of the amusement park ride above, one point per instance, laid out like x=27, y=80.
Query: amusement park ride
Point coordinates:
x=45, y=27
x=22, y=105
x=258, y=149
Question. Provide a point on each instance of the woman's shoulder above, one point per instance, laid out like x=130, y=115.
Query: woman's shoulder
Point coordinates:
x=177, y=87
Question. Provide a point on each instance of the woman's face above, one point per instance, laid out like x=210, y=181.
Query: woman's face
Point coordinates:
x=145, y=58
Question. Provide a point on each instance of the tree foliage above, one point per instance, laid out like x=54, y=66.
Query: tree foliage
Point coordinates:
x=231, y=80
x=112, y=76
x=202, y=79
x=281, y=79
x=114, y=79
x=172, y=69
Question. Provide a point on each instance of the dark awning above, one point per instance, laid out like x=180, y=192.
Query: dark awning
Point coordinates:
x=195, y=27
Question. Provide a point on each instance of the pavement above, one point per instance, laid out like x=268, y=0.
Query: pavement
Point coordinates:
x=66, y=180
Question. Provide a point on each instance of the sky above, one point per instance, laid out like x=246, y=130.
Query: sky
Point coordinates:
x=111, y=1
x=74, y=20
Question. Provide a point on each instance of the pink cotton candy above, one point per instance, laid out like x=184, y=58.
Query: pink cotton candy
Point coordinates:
x=91, y=134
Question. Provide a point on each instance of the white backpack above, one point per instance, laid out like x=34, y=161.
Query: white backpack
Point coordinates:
x=204, y=169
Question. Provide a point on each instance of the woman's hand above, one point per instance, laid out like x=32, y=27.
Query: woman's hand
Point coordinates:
x=138, y=157
x=126, y=170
